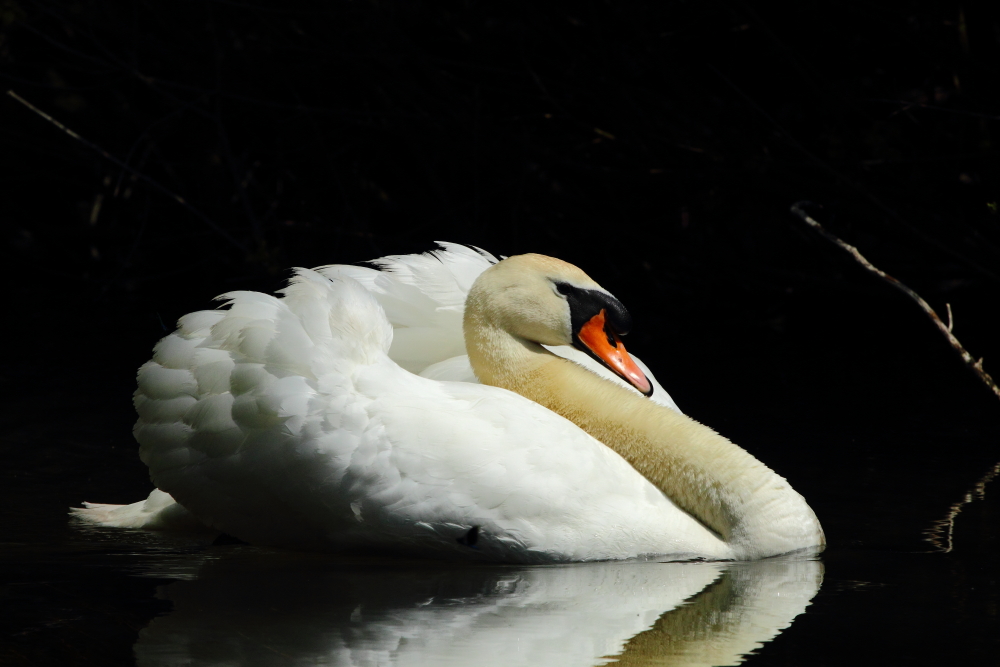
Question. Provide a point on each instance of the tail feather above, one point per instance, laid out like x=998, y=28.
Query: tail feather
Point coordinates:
x=157, y=512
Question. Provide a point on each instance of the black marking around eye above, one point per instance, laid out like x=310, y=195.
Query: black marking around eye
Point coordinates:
x=585, y=303
x=617, y=317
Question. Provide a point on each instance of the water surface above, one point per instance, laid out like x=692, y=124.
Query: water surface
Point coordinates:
x=910, y=577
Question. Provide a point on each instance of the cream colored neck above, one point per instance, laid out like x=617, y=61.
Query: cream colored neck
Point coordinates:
x=748, y=505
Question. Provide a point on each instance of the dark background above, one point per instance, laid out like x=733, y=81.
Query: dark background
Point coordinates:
x=658, y=146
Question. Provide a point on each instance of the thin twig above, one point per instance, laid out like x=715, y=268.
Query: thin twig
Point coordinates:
x=910, y=105
x=945, y=329
x=180, y=200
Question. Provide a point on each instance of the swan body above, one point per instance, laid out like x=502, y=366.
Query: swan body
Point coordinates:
x=343, y=415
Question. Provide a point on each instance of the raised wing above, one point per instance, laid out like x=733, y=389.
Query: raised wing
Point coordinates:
x=423, y=297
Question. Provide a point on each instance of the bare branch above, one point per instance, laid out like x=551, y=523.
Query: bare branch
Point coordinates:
x=975, y=366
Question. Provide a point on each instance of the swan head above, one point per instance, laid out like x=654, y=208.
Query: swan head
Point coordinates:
x=542, y=300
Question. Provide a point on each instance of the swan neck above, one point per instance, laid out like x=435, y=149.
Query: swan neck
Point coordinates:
x=499, y=357
x=750, y=507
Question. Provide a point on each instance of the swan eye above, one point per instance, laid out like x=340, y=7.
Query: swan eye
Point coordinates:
x=563, y=288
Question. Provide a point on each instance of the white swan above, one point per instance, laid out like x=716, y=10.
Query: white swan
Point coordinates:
x=287, y=422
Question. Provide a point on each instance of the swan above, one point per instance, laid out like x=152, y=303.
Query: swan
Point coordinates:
x=346, y=415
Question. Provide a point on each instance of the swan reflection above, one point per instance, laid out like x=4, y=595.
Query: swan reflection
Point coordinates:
x=254, y=607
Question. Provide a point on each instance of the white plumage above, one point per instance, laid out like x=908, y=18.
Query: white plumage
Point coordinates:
x=345, y=415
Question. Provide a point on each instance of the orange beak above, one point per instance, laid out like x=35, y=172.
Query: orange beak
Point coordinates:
x=609, y=349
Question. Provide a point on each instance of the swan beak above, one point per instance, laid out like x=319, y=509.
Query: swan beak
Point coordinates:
x=607, y=347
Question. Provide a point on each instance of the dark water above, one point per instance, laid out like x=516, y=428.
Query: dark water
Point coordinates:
x=882, y=594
